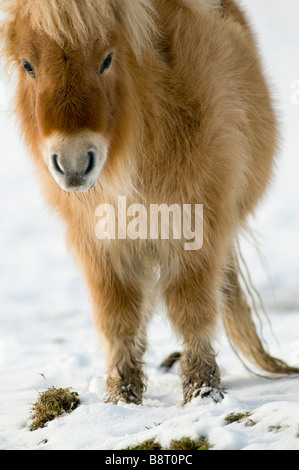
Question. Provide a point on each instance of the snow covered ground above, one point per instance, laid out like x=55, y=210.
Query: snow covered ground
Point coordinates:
x=45, y=318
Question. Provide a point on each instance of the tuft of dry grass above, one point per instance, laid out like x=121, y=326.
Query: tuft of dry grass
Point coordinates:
x=185, y=443
x=150, y=444
x=188, y=444
x=239, y=417
x=52, y=404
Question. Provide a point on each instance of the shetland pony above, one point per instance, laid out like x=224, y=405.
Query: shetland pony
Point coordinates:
x=161, y=102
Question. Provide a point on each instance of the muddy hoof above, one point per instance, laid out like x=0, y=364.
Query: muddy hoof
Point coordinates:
x=203, y=391
x=129, y=394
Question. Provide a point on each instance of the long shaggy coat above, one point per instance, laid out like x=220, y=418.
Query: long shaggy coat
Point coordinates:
x=186, y=116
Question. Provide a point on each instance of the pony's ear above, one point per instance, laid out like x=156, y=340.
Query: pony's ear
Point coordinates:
x=138, y=19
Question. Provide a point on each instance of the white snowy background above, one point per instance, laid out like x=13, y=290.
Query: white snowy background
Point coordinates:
x=45, y=316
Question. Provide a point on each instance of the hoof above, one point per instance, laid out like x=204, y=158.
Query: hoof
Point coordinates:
x=126, y=394
x=192, y=391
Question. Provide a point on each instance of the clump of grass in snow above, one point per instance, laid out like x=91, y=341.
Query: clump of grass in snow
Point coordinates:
x=51, y=404
x=185, y=443
x=239, y=417
x=150, y=444
x=278, y=428
x=188, y=444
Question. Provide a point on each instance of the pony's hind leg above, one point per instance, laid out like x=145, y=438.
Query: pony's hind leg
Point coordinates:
x=192, y=309
x=169, y=362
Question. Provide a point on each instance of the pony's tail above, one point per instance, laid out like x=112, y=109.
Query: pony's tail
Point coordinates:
x=240, y=326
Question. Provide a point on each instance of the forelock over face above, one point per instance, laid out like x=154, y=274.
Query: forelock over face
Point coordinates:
x=76, y=21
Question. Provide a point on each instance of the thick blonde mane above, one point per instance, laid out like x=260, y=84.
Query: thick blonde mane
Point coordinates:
x=76, y=20
x=206, y=3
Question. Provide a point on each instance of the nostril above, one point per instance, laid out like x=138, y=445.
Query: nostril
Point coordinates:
x=91, y=161
x=56, y=164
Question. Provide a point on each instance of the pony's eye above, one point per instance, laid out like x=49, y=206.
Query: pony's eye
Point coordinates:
x=29, y=68
x=106, y=63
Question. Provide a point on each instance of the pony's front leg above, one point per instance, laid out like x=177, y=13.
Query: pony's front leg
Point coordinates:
x=118, y=317
x=126, y=381
x=192, y=309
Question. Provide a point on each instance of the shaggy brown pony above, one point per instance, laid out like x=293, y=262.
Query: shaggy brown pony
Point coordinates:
x=160, y=101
